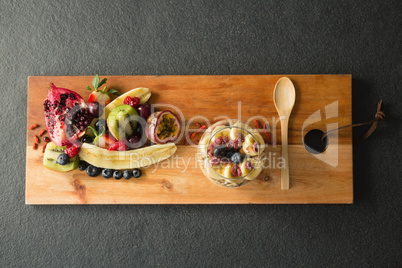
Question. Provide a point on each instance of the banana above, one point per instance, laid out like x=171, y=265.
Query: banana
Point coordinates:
x=202, y=145
x=143, y=93
x=248, y=145
x=131, y=159
x=220, y=131
x=213, y=172
x=253, y=173
x=239, y=128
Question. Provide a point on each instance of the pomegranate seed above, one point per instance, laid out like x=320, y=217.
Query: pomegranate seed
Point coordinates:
x=36, y=139
x=46, y=139
x=72, y=150
x=31, y=127
x=35, y=146
x=44, y=147
x=42, y=132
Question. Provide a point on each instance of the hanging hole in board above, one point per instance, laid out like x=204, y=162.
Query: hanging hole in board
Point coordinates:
x=313, y=141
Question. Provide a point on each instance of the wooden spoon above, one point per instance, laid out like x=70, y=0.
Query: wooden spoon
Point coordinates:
x=284, y=100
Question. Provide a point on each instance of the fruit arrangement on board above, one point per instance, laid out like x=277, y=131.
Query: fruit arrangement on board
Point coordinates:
x=104, y=137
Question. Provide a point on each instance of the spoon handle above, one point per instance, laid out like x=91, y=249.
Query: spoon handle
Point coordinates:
x=284, y=142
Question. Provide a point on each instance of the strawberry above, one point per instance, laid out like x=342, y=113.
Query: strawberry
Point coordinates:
x=100, y=95
x=118, y=146
x=103, y=139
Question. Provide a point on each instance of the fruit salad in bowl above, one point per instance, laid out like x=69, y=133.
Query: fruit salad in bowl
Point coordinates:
x=230, y=153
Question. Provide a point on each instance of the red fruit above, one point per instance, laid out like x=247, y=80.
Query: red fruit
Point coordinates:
x=100, y=95
x=133, y=102
x=72, y=150
x=106, y=140
x=118, y=146
x=144, y=110
x=163, y=127
x=66, y=116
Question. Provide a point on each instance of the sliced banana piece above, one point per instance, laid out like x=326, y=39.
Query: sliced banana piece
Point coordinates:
x=253, y=173
x=142, y=93
x=103, y=158
x=248, y=145
x=239, y=128
x=202, y=145
x=213, y=172
x=220, y=131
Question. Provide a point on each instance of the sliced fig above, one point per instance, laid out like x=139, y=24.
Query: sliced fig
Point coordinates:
x=66, y=115
x=163, y=127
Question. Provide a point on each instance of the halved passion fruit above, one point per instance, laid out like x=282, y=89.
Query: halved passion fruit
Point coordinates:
x=163, y=127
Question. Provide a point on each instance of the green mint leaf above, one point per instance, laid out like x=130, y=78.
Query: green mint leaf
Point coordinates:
x=88, y=88
x=114, y=92
x=102, y=82
x=94, y=131
x=95, y=82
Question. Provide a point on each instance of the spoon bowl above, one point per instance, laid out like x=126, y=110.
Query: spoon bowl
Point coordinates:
x=284, y=100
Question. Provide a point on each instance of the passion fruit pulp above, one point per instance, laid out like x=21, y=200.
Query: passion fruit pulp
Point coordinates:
x=163, y=127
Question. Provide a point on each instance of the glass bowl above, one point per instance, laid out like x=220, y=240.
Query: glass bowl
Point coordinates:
x=230, y=153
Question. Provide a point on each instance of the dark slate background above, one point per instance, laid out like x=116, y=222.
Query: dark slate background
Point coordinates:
x=362, y=38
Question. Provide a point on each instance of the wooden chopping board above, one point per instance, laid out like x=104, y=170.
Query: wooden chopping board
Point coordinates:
x=322, y=102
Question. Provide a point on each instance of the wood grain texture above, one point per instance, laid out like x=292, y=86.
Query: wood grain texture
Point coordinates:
x=312, y=180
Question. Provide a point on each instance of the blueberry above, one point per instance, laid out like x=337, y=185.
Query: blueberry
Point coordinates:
x=93, y=171
x=117, y=174
x=230, y=152
x=87, y=139
x=100, y=126
x=220, y=151
x=107, y=173
x=237, y=158
x=63, y=159
x=127, y=174
x=82, y=165
x=137, y=173
x=138, y=130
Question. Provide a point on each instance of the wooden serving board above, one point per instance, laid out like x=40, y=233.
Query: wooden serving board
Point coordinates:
x=322, y=102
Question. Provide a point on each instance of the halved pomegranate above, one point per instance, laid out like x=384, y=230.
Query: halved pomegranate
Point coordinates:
x=163, y=127
x=66, y=115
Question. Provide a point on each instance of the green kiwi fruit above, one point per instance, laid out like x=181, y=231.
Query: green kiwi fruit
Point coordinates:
x=52, y=151
x=122, y=121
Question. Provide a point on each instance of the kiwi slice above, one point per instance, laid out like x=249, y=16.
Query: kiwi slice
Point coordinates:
x=122, y=121
x=52, y=151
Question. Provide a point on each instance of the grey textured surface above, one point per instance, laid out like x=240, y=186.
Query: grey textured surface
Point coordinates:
x=206, y=37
